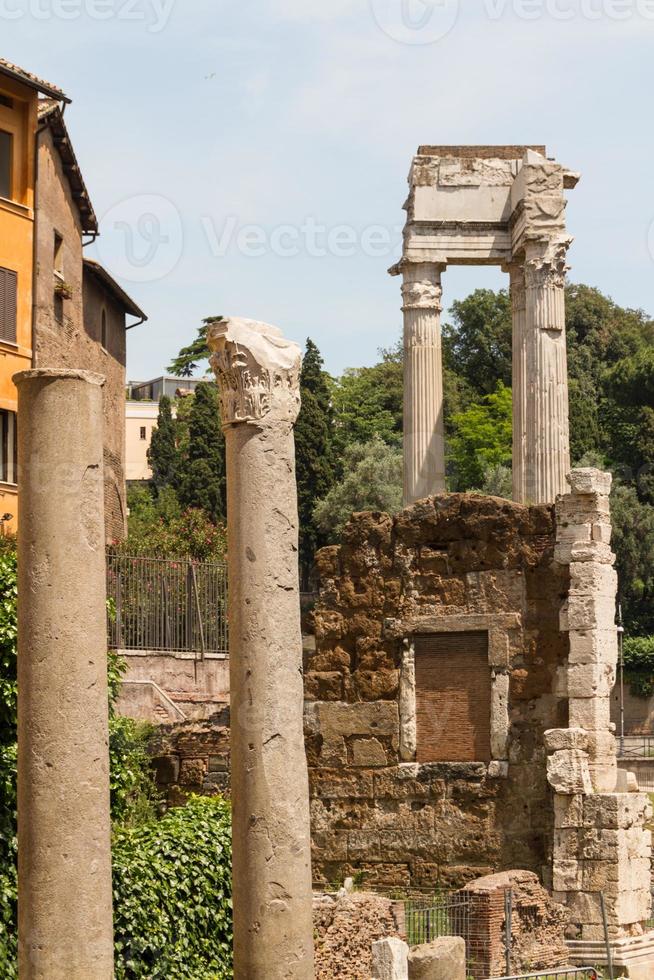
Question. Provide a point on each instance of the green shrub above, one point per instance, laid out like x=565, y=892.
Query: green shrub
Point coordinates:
x=639, y=664
x=172, y=895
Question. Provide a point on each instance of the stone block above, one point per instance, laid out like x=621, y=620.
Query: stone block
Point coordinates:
x=614, y=811
x=390, y=960
x=593, y=714
x=498, y=770
x=444, y=959
x=499, y=734
x=585, y=908
x=560, y=739
x=601, y=746
x=590, y=480
x=633, y=907
x=590, y=680
x=566, y=876
x=368, y=753
x=566, y=844
x=587, y=612
x=604, y=775
x=594, y=647
x=593, y=578
x=568, y=811
x=568, y=773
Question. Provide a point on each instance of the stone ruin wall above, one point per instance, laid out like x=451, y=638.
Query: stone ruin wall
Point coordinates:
x=454, y=563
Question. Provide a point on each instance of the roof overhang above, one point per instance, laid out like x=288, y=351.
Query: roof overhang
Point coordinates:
x=108, y=282
x=32, y=81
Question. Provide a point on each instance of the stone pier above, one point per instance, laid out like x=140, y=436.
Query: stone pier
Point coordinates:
x=601, y=842
x=64, y=858
x=258, y=373
x=488, y=205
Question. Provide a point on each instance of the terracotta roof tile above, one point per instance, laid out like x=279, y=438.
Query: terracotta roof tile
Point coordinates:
x=7, y=68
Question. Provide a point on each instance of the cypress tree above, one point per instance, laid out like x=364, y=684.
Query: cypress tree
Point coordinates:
x=202, y=482
x=314, y=454
x=162, y=453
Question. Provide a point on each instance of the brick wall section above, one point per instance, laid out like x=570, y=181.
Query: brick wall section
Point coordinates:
x=67, y=334
x=413, y=826
x=192, y=758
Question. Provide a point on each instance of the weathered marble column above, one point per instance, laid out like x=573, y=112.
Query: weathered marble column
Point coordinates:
x=258, y=374
x=424, y=434
x=64, y=856
x=541, y=455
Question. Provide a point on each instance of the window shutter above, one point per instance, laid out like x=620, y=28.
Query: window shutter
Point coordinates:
x=8, y=304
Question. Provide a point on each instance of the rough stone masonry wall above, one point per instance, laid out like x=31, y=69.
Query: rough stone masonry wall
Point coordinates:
x=449, y=563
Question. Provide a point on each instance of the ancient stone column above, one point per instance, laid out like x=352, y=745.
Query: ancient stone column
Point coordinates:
x=424, y=434
x=258, y=373
x=64, y=857
x=541, y=457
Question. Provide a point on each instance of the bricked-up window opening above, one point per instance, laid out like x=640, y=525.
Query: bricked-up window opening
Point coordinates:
x=8, y=304
x=6, y=151
x=453, y=697
x=8, y=447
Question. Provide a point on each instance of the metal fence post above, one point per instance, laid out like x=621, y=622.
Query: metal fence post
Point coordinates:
x=609, y=954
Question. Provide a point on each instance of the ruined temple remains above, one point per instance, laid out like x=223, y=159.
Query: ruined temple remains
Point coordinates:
x=258, y=374
x=458, y=713
x=488, y=205
x=65, y=928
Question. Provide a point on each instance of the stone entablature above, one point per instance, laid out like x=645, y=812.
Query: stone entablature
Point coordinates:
x=501, y=205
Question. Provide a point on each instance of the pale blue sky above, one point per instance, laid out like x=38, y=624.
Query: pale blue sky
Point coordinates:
x=195, y=118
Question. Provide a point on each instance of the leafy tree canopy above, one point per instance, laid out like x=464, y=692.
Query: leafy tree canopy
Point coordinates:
x=482, y=439
x=191, y=357
x=372, y=481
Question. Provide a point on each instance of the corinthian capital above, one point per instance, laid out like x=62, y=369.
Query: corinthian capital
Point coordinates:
x=422, y=294
x=546, y=264
x=257, y=369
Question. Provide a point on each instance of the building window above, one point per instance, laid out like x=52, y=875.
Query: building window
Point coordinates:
x=58, y=256
x=144, y=434
x=8, y=304
x=453, y=698
x=6, y=151
x=8, y=447
x=104, y=336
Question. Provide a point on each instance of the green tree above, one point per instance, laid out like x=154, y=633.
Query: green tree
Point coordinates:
x=477, y=346
x=633, y=543
x=162, y=452
x=189, y=358
x=202, y=481
x=368, y=402
x=313, y=453
x=482, y=440
x=372, y=481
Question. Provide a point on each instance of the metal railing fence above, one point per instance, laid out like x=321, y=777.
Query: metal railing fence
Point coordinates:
x=160, y=604
x=585, y=973
x=636, y=747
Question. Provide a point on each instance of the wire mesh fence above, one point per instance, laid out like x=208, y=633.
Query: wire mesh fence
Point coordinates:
x=452, y=914
x=167, y=605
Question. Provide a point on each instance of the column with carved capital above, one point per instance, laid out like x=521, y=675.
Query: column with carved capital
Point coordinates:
x=541, y=422
x=258, y=374
x=424, y=436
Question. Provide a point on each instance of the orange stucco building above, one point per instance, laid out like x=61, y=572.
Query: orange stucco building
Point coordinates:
x=19, y=94
x=58, y=309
